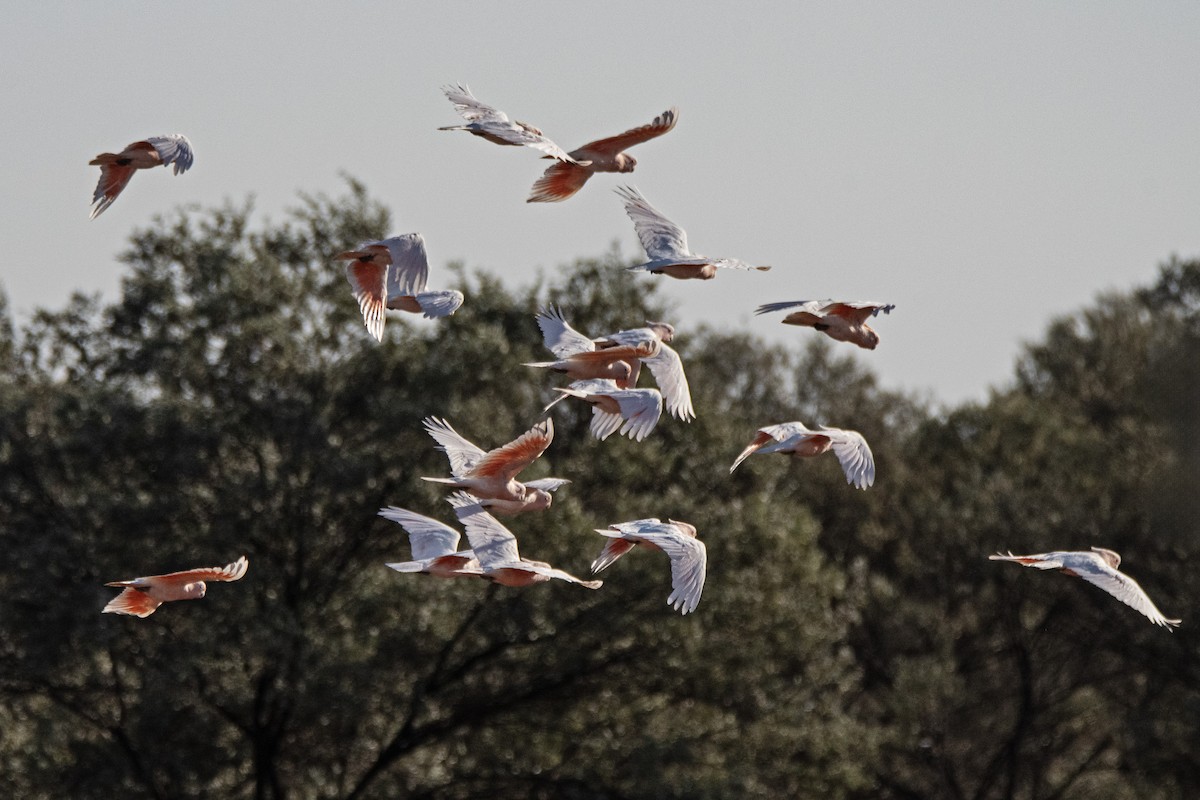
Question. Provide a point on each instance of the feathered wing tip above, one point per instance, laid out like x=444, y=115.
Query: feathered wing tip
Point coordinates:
x=760, y=439
x=368, y=282
x=1039, y=561
x=406, y=566
x=444, y=303
x=174, y=149
x=604, y=424
x=564, y=392
x=767, y=308
x=132, y=602
x=99, y=206
x=614, y=548
x=559, y=182
x=235, y=571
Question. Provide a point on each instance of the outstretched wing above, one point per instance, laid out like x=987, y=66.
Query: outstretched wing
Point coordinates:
x=667, y=369
x=470, y=107
x=547, y=484
x=463, y=454
x=640, y=411
x=559, y=182
x=113, y=180
x=132, y=602
x=689, y=565
x=854, y=454
x=661, y=238
x=518, y=454
x=634, y=136
x=559, y=337
x=493, y=544
x=229, y=572
x=440, y=303
x=1038, y=561
x=428, y=537
x=494, y=123
x=1120, y=586
x=368, y=279
x=808, y=306
x=173, y=149
x=558, y=574
x=857, y=312
x=410, y=265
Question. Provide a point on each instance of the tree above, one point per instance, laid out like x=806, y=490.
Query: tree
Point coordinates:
x=230, y=402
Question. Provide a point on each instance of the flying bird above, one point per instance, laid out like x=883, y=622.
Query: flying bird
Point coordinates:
x=491, y=476
x=494, y=125
x=666, y=243
x=843, y=322
x=496, y=548
x=142, y=595
x=603, y=155
x=793, y=437
x=579, y=357
x=1098, y=567
x=116, y=169
x=434, y=547
x=391, y=274
x=582, y=358
x=689, y=558
x=632, y=412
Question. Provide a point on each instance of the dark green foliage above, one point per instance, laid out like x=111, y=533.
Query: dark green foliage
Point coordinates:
x=848, y=644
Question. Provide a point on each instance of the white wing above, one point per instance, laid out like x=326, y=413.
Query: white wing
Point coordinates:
x=551, y=572
x=1119, y=585
x=641, y=409
x=463, y=454
x=689, y=565
x=786, y=430
x=661, y=238
x=174, y=149
x=854, y=454
x=667, y=369
x=471, y=108
x=410, y=265
x=604, y=424
x=440, y=303
x=547, y=484
x=811, y=306
x=635, y=337
x=428, y=537
x=493, y=544
x=639, y=526
x=1038, y=560
x=559, y=337
x=495, y=123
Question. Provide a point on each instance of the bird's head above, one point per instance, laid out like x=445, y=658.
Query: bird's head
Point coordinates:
x=1111, y=556
x=665, y=331
x=625, y=162
x=872, y=339
x=194, y=591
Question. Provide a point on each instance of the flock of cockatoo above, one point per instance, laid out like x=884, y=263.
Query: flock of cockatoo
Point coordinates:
x=604, y=370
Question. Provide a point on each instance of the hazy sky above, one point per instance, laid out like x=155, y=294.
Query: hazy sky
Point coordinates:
x=983, y=167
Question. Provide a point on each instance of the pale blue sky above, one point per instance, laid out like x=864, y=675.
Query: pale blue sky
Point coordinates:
x=983, y=166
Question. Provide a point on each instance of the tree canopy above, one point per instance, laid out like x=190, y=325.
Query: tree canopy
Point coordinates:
x=848, y=644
